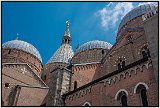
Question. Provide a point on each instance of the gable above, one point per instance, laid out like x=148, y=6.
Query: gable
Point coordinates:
x=22, y=73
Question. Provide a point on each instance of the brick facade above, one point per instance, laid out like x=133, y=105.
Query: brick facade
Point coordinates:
x=103, y=93
x=19, y=56
x=95, y=77
x=15, y=75
x=88, y=56
x=110, y=81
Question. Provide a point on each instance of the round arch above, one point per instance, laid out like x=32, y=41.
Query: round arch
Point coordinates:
x=87, y=104
x=146, y=86
x=119, y=92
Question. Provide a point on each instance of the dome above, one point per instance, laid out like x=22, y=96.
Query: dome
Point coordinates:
x=24, y=46
x=94, y=44
x=62, y=55
x=138, y=11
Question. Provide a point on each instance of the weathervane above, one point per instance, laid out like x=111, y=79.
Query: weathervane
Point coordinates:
x=17, y=36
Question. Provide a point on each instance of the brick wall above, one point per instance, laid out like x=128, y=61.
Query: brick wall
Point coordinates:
x=83, y=74
x=18, y=56
x=17, y=74
x=30, y=96
x=103, y=93
x=88, y=56
x=127, y=51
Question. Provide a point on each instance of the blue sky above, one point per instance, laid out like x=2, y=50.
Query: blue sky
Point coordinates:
x=43, y=23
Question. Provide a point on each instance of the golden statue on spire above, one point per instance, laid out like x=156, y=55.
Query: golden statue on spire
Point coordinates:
x=68, y=23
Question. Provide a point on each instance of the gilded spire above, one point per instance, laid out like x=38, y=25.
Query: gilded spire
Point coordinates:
x=67, y=32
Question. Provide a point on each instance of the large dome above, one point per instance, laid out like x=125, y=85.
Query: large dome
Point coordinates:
x=138, y=11
x=94, y=44
x=62, y=55
x=24, y=46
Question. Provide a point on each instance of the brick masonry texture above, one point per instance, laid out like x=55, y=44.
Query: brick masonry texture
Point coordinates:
x=17, y=56
x=99, y=81
x=103, y=92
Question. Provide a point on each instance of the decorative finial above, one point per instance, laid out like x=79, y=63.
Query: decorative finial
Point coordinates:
x=68, y=23
x=67, y=32
x=17, y=36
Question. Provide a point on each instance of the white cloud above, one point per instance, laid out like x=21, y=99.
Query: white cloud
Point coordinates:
x=147, y=3
x=113, y=12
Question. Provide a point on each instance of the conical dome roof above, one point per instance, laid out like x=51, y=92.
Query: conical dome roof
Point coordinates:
x=64, y=53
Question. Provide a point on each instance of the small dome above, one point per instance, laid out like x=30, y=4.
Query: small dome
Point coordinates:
x=62, y=55
x=138, y=11
x=24, y=46
x=93, y=44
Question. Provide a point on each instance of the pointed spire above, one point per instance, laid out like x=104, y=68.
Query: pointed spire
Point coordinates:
x=67, y=38
x=67, y=32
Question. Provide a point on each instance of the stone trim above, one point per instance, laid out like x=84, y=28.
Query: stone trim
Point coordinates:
x=119, y=92
x=79, y=94
x=128, y=72
x=117, y=72
x=87, y=103
x=146, y=86
x=86, y=63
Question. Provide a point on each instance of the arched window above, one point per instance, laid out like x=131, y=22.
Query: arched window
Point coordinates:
x=75, y=85
x=121, y=96
x=144, y=97
x=145, y=52
x=121, y=64
x=141, y=89
x=86, y=104
x=65, y=40
x=124, y=100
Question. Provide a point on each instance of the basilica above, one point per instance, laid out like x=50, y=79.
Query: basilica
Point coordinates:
x=96, y=74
